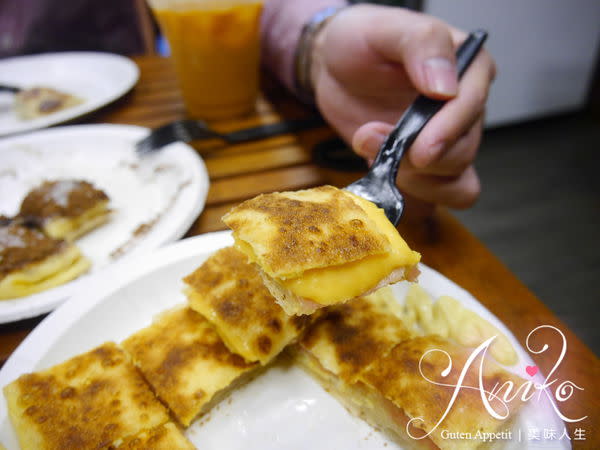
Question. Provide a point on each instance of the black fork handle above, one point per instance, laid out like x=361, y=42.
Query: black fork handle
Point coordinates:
x=419, y=112
x=273, y=129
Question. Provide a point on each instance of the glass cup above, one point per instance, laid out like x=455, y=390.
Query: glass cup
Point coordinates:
x=215, y=47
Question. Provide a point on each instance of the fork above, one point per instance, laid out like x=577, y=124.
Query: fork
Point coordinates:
x=7, y=88
x=187, y=130
x=379, y=184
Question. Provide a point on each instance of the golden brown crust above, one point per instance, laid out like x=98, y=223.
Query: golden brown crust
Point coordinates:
x=164, y=437
x=229, y=292
x=21, y=246
x=61, y=198
x=89, y=401
x=363, y=401
x=184, y=360
x=291, y=232
x=397, y=377
x=349, y=337
x=235, y=289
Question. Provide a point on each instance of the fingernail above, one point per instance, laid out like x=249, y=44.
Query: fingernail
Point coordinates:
x=440, y=75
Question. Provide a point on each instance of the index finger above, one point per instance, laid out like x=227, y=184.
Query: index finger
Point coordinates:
x=457, y=116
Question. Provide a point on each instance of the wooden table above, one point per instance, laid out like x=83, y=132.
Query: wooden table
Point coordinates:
x=239, y=172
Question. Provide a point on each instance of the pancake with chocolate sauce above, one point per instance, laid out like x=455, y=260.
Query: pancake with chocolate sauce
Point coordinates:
x=65, y=209
x=31, y=262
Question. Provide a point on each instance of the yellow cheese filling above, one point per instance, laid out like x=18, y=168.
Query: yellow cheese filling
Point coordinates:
x=335, y=284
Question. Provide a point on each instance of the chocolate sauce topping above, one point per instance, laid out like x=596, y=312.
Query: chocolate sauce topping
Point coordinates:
x=68, y=198
x=20, y=245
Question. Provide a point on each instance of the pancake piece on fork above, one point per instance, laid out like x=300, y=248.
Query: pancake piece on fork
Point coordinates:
x=320, y=246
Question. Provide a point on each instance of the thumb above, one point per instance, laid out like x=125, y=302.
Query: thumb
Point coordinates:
x=368, y=139
x=423, y=46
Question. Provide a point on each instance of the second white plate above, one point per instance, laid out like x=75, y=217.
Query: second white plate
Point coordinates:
x=164, y=193
x=97, y=78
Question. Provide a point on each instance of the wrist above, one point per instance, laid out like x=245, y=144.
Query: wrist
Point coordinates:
x=308, y=58
x=317, y=59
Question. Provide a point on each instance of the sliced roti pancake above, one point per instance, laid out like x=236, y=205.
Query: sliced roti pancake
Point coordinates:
x=320, y=246
x=389, y=385
x=32, y=262
x=229, y=292
x=409, y=385
x=347, y=338
x=186, y=362
x=66, y=209
x=93, y=400
x=324, y=224
x=164, y=437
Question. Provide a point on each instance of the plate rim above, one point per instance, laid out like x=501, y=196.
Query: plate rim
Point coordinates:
x=133, y=76
x=65, y=291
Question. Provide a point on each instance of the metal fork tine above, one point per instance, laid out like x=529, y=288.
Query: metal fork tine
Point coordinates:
x=181, y=130
x=155, y=140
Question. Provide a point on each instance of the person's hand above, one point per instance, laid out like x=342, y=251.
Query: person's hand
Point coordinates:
x=370, y=62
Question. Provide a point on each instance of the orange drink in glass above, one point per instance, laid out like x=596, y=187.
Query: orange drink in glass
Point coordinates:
x=215, y=47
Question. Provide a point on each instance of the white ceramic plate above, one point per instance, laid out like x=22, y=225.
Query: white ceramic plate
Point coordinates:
x=166, y=189
x=282, y=409
x=97, y=78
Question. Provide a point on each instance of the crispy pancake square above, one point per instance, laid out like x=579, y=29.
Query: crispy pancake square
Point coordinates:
x=186, y=362
x=409, y=383
x=93, y=400
x=31, y=262
x=371, y=364
x=66, y=209
x=348, y=338
x=291, y=232
x=320, y=246
x=229, y=292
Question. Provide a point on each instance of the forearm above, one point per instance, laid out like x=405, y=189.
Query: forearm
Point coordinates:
x=281, y=27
